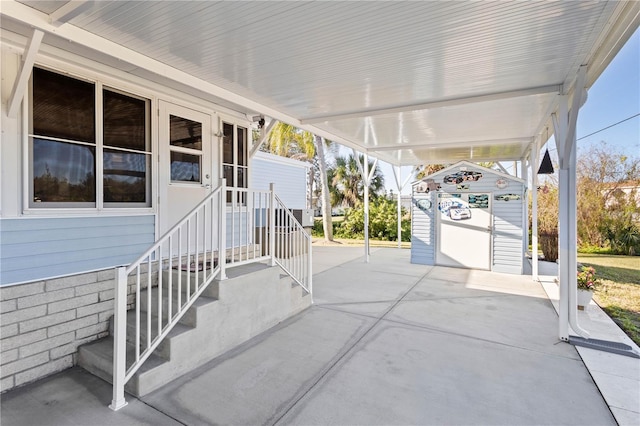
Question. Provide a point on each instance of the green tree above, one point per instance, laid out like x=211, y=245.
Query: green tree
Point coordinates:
x=607, y=194
x=607, y=188
x=347, y=182
x=289, y=141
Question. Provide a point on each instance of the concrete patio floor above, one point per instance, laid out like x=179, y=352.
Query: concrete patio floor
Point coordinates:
x=386, y=343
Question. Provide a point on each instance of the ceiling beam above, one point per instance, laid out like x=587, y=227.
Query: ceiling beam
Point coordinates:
x=20, y=85
x=68, y=11
x=444, y=102
x=525, y=139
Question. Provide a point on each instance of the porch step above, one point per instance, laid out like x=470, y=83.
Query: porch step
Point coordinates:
x=254, y=298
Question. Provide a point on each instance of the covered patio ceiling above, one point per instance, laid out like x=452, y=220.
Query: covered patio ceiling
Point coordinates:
x=406, y=82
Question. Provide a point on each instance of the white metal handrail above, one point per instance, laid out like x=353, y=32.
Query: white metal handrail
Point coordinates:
x=230, y=227
x=196, y=244
x=292, y=251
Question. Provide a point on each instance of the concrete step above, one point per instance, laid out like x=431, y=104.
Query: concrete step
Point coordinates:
x=185, y=293
x=254, y=298
x=97, y=358
x=144, y=331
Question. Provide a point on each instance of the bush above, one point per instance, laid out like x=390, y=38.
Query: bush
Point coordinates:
x=623, y=238
x=383, y=223
x=548, y=221
x=318, y=228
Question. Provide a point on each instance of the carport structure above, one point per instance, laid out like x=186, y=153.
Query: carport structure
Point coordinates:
x=405, y=82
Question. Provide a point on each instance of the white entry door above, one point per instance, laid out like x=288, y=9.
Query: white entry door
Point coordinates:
x=464, y=230
x=186, y=162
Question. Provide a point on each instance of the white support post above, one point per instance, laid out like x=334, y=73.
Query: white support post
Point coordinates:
x=365, y=177
x=397, y=174
x=309, y=268
x=272, y=224
x=534, y=210
x=222, y=231
x=564, y=124
x=20, y=85
x=524, y=166
x=119, y=339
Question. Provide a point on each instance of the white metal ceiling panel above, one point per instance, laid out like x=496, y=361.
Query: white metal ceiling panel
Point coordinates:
x=307, y=60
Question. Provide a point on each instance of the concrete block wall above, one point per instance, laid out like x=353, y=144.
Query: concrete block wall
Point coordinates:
x=43, y=323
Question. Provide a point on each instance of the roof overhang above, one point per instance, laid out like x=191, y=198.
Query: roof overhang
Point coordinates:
x=407, y=82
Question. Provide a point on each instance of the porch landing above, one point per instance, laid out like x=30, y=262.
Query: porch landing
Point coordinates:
x=385, y=343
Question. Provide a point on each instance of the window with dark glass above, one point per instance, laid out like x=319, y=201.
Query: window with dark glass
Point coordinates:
x=64, y=145
x=234, y=156
x=63, y=142
x=126, y=155
x=185, y=142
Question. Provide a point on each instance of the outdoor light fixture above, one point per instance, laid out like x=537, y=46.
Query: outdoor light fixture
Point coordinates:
x=260, y=120
x=546, y=168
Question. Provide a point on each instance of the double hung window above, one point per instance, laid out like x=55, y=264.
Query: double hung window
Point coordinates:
x=89, y=145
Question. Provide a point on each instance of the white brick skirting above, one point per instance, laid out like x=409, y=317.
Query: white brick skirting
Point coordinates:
x=43, y=323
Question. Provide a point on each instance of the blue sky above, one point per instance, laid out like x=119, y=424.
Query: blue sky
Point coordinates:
x=615, y=96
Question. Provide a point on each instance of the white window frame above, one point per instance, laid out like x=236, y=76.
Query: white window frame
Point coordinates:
x=235, y=123
x=100, y=83
x=189, y=151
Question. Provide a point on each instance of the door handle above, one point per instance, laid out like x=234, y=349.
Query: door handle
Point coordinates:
x=207, y=186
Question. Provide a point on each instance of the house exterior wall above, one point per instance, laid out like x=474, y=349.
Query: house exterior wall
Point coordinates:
x=35, y=248
x=44, y=322
x=507, y=240
x=289, y=177
x=56, y=265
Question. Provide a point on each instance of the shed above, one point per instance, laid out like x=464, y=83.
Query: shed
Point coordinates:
x=469, y=216
x=291, y=178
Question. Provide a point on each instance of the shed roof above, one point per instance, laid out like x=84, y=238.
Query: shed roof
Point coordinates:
x=407, y=82
x=468, y=164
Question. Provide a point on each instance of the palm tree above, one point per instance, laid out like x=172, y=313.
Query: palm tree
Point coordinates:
x=289, y=141
x=327, y=221
x=348, y=183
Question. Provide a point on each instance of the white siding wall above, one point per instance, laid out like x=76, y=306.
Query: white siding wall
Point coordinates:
x=289, y=177
x=508, y=236
x=36, y=248
x=422, y=231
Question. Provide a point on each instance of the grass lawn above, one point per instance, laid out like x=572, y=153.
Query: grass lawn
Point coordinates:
x=353, y=242
x=619, y=292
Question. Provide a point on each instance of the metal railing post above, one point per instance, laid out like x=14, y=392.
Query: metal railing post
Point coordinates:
x=222, y=231
x=119, y=340
x=309, y=269
x=272, y=223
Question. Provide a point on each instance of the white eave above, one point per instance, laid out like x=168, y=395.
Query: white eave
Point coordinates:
x=406, y=82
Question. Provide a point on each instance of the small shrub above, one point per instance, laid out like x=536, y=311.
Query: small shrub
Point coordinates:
x=383, y=222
